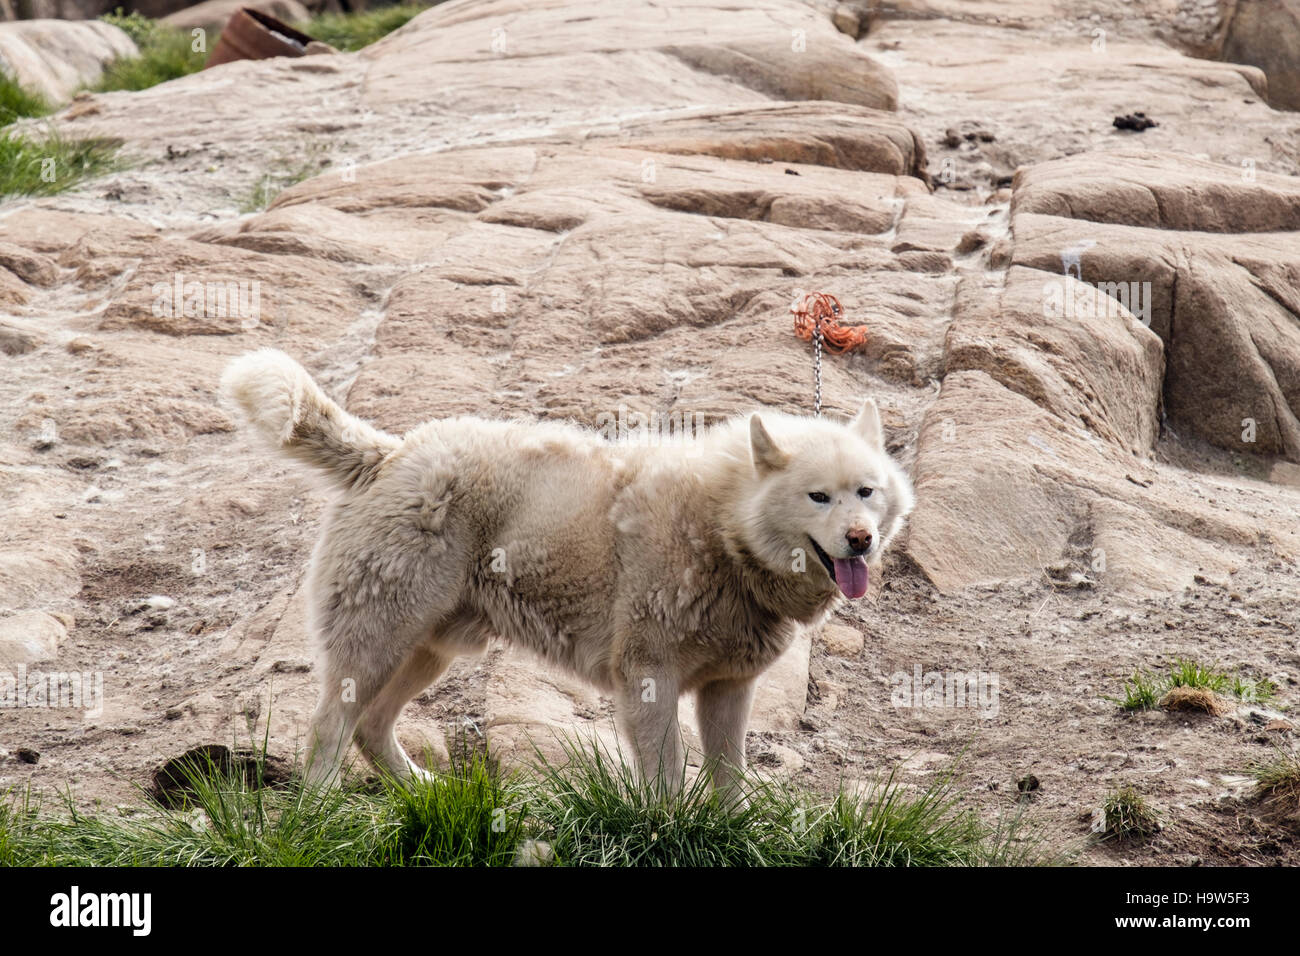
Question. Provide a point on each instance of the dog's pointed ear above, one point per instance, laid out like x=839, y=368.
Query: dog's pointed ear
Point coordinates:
x=767, y=457
x=867, y=425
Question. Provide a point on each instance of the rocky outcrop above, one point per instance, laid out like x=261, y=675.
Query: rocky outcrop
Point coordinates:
x=55, y=58
x=1067, y=347
x=1141, y=188
x=55, y=9
x=628, y=53
x=1126, y=313
x=1007, y=489
x=1226, y=306
x=1266, y=34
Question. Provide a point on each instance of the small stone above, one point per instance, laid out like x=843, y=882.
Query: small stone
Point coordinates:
x=832, y=692
x=18, y=341
x=842, y=641
x=779, y=757
x=847, y=20
x=1136, y=122
x=975, y=239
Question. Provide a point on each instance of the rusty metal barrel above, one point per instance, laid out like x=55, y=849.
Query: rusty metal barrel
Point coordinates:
x=253, y=35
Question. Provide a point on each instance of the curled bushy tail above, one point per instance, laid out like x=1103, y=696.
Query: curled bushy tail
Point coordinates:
x=289, y=410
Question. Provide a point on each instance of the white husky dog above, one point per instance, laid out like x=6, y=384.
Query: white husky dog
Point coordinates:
x=651, y=571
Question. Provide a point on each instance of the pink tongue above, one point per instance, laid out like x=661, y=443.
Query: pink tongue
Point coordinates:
x=851, y=576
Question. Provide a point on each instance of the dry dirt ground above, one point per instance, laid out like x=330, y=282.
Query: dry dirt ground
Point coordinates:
x=151, y=543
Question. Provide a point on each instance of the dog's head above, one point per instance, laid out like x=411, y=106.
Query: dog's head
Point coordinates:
x=826, y=498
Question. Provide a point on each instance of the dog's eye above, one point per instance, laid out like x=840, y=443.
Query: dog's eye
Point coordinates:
x=819, y=496
x=864, y=492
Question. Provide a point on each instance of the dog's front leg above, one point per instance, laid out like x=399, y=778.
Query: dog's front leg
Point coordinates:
x=647, y=713
x=723, y=709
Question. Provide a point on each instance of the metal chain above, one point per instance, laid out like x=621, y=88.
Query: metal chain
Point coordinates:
x=817, y=368
x=812, y=322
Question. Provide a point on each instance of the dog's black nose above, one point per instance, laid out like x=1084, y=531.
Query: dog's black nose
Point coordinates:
x=859, y=540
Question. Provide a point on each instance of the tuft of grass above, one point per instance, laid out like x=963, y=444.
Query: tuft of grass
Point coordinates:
x=352, y=31
x=1195, y=700
x=594, y=812
x=1281, y=775
x=227, y=822
x=137, y=26
x=468, y=817
x=17, y=821
x=1190, y=674
x=890, y=827
x=17, y=103
x=165, y=54
x=1126, y=815
x=1142, y=691
x=34, y=166
x=1146, y=690
x=1253, y=691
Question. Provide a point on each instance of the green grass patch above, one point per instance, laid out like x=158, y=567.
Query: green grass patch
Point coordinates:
x=1281, y=775
x=226, y=822
x=470, y=816
x=1252, y=690
x=593, y=812
x=589, y=811
x=352, y=31
x=1126, y=815
x=17, y=103
x=34, y=165
x=165, y=54
x=1186, y=673
x=1144, y=689
x=137, y=26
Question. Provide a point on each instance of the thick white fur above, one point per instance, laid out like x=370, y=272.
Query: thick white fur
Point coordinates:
x=651, y=571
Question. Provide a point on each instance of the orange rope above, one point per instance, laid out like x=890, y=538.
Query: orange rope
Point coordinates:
x=821, y=309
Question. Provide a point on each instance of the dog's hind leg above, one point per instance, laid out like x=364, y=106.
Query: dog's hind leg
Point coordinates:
x=362, y=655
x=375, y=734
x=332, y=727
x=723, y=710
